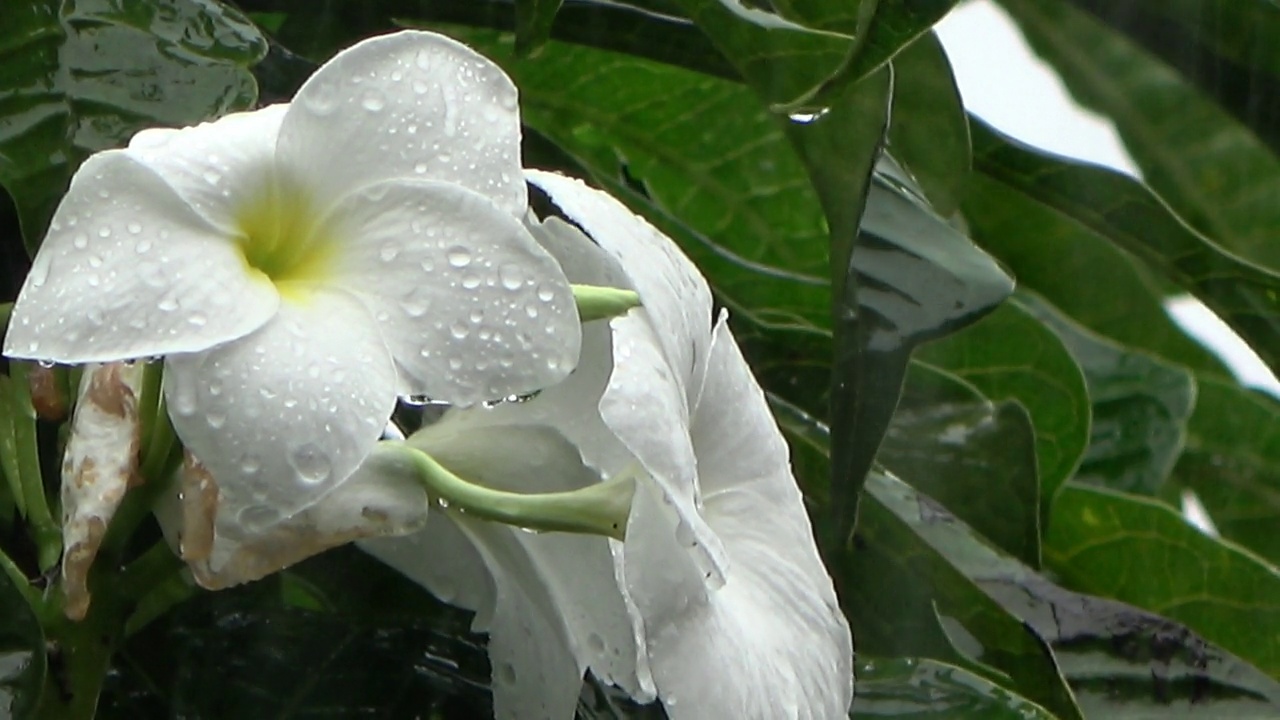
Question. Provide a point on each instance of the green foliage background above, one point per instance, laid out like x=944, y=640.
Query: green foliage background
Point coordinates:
x=994, y=473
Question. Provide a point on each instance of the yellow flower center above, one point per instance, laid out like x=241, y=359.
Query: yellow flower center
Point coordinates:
x=280, y=238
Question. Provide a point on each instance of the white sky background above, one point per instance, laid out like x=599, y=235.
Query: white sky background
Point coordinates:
x=1003, y=81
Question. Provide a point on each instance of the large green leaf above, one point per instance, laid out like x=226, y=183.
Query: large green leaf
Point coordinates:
x=1120, y=209
x=80, y=77
x=1211, y=169
x=1143, y=552
x=906, y=599
x=976, y=457
x=1078, y=270
x=1011, y=355
x=929, y=132
x=1140, y=407
x=924, y=689
x=1121, y=662
x=533, y=23
x=1226, y=47
x=22, y=652
x=1232, y=461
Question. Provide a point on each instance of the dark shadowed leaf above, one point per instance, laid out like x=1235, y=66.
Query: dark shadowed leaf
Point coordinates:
x=533, y=23
x=78, y=78
x=1142, y=552
x=976, y=457
x=1140, y=407
x=22, y=652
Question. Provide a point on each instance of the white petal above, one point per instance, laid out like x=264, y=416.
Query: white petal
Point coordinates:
x=382, y=498
x=129, y=270
x=552, y=607
x=283, y=416
x=471, y=306
x=645, y=406
x=676, y=298
x=774, y=630
x=218, y=167
x=411, y=104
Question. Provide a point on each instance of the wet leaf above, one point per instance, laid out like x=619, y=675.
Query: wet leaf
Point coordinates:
x=83, y=77
x=976, y=457
x=1010, y=355
x=1140, y=407
x=1144, y=553
x=911, y=689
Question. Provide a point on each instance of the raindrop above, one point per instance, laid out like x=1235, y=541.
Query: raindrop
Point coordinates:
x=455, y=363
x=212, y=177
x=215, y=388
x=804, y=118
x=507, y=673
x=256, y=517
x=142, y=247
x=390, y=251
x=104, y=231
x=511, y=276
x=197, y=319
x=545, y=294
x=81, y=241
x=311, y=463
x=168, y=304
x=216, y=420
x=321, y=99
x=471, y=282
x=134, y=228
x=531, y=311
x=373, y=102
x=459, y=331
x=459, y=256
x=420, y=87
x=46, y=364
x=423, y=60
x=249, y=465
x=420, y=168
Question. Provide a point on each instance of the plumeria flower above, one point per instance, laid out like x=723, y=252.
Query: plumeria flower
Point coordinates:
x=718, y=589
x=300, y=266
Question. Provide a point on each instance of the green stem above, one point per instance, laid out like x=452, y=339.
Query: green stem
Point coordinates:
x=149, y=401
x=9, y=447
x=45, y=532
x=600, y=509
x=20, y=582
x=597, y=303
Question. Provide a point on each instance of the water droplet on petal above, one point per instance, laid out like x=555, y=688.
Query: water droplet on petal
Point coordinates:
x=459, y=256
x=455, y=363
x=389, y=251
x=471, y=281
x=257, y=517
x=511, y=276
x=249, y=465
x=104, y=231
x=213, y=177
x=311, y=463
x=216, y=420
x=81, y=241
x=142, y=247
x=373, y=101
x=459, y=331
x=545, y=294
x=168, y=304
x=507, y=673
x=134, y=228
x=197, y=319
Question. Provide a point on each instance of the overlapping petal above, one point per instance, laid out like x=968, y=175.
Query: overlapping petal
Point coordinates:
x=130, y=270
x=284, y=415
x=469, y=304
x=548, y=601
x=218, y=167
x=410, y=104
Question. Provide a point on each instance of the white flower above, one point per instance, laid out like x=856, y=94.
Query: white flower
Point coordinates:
x=718, y=600
x=300, y=266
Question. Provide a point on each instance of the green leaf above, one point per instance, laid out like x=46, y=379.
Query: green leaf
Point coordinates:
x=533, y=24
x=1140, y=407
x=1226, y=47
x=1119, y=208
x=784, y=62
x=1010, y=355
x=22, y=651
x=1051, y=253
x=901, y=585
x=976, y=457
x=1232, y=462
x=924, y=689
x=82, y=77
x=929, y=131
x=1213, y=171
x=1143, y=552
